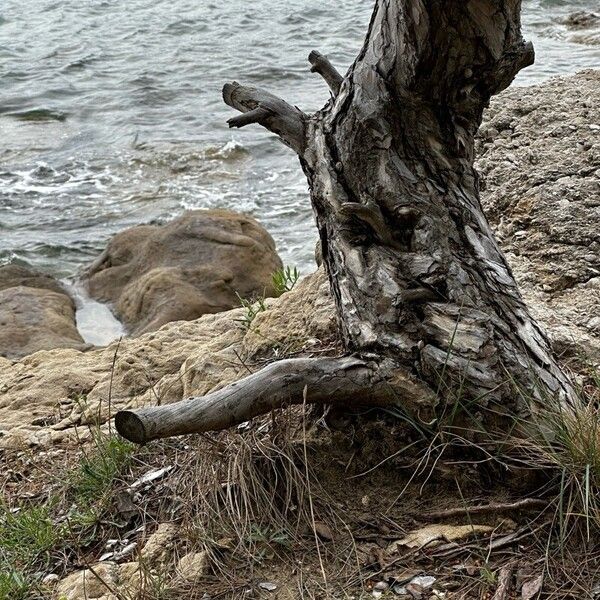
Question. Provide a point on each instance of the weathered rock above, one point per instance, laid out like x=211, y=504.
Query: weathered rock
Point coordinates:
x=308, y=317
x=158, y=547
x=194, y=265
x=13, y=275
x=35, y=313
x=539, y=160
x=193, y=567
x=90, y=584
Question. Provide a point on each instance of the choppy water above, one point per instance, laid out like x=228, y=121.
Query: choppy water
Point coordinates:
x=111, y=114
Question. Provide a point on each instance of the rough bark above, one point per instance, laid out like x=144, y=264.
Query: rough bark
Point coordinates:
x=414, y=267
x=421, y=286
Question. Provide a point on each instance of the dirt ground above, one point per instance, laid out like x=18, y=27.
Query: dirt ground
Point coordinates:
x=347, y=507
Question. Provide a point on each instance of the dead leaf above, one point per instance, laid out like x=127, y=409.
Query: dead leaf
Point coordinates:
x=323, y=531
x=532, y=587
x=150, y=476
x=433, y=535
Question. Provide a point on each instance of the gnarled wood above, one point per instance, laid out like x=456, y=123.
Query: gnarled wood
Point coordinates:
x=287, y=382
x=417, y=274
x=266, y=109
x=422, y=289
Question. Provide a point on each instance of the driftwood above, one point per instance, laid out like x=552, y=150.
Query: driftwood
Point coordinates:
x=423, y=291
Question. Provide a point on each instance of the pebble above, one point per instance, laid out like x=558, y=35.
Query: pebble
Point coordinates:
x=268, y=586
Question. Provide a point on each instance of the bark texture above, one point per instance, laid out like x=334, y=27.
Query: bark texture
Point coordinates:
x=414, y=267
x=422, y=288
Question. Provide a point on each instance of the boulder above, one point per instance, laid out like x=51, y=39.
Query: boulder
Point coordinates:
x=539, y=161
x=194, y=265
x=14, y=275
x=36, y=313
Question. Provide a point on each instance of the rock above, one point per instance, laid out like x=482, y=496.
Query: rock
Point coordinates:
x=36, y=313
x=158, y=546
x=307, y=316
x=98, y=582
x=13, y=275
x=86, y=585
x=193, y=567
x=541, y=192
x=194, y=265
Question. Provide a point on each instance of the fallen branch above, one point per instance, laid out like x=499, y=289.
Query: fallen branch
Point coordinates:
x=346, y=381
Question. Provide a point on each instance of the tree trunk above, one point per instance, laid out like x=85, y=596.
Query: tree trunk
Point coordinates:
x=421, y=287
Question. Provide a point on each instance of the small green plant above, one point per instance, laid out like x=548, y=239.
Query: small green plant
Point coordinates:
x=27, y=537
x=99, y=468
x=285, y=279
x=28, y=533
x=14, y=584
x=252, y=308
x=268, y=535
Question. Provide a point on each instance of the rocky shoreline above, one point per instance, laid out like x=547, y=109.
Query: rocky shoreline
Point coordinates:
x=539, y=160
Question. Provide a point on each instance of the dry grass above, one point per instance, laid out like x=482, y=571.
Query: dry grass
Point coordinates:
x=283, y=499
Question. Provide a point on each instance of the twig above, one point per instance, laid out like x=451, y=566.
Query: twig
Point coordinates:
x=110, y=386
x=484, y=508
x=504, y=579
x=310, y=502
x=237, y=354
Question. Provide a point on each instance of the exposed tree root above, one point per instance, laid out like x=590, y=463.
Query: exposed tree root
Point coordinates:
x=347, y=381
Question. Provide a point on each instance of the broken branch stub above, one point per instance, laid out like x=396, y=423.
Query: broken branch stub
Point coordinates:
x=268, y=110
x=320, y=64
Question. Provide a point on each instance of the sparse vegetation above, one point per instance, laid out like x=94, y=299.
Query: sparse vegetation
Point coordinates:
x=252, y=308
x=284, y=491
x=285, y=279
x=99, y=467
x=565, y=442
x=27, y=536
x=33, y=535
